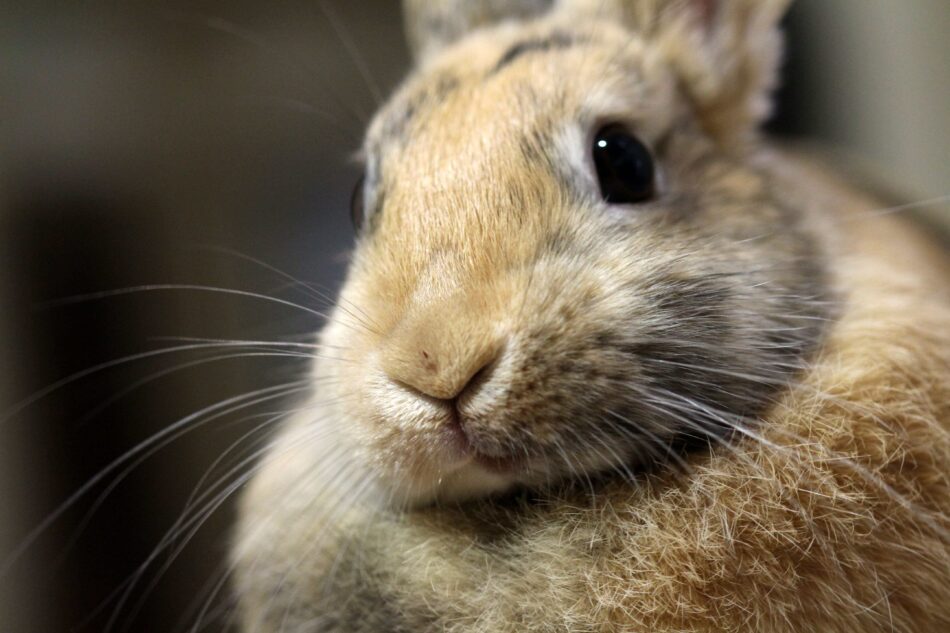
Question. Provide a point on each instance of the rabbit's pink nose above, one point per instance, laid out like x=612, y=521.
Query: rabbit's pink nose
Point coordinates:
x=438, y=378
x=437, y=355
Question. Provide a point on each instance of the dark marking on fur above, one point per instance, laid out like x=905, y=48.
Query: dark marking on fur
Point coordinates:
x=443, y=86
x=556, y=41
x=558, y=243
x=530, y=146
x=399, y=121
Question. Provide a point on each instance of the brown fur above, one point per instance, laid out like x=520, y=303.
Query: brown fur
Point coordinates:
x=825, y=510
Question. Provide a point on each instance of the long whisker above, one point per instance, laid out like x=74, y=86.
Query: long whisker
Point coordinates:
x=930, y=202
x=185, y=528
x=105, y=404
x=313, y=289
x=106, y=294
x=43, y=526
x=339, y=29
x=128, y=470
x=35, y=397
x=299, y=106
x=247, y=36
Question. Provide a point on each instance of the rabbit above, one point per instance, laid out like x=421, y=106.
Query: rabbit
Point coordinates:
x=605, y=358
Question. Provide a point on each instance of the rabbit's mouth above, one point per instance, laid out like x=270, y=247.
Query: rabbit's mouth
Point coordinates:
x=499, y=462
x=509, y=465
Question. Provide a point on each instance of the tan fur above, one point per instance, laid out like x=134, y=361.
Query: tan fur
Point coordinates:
x=830, y=513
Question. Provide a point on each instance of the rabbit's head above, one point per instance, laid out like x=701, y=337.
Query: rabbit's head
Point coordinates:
x=568, y=262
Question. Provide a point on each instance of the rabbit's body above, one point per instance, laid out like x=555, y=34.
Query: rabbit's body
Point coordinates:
x=821, y=503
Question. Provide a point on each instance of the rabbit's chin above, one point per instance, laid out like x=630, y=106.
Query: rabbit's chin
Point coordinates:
x=469, y=480
x=458, y=472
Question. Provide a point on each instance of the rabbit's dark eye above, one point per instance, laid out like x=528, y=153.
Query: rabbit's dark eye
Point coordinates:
x=357, y=202
x=624, y=166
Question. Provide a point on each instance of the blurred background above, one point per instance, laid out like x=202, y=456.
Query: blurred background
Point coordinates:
x=208, y=144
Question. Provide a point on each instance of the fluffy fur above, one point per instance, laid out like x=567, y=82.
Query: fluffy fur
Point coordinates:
x=759, y=306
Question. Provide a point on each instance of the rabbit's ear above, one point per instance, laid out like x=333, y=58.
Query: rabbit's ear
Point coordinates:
x=433, y=24
x=726, y=52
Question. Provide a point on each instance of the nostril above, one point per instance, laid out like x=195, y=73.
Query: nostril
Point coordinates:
x=437, y=379
x=428, y=363
x=441, y=390
x=477, y=379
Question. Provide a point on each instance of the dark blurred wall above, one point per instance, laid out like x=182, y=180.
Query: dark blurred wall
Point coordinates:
x=143, y=143
x=876, y=77
x=157, y=141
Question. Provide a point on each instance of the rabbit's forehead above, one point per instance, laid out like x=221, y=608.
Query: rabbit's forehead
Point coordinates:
x=507, y=81
x=501, y=102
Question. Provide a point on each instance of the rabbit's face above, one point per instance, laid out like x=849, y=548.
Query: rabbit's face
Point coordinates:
x=560, y=273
